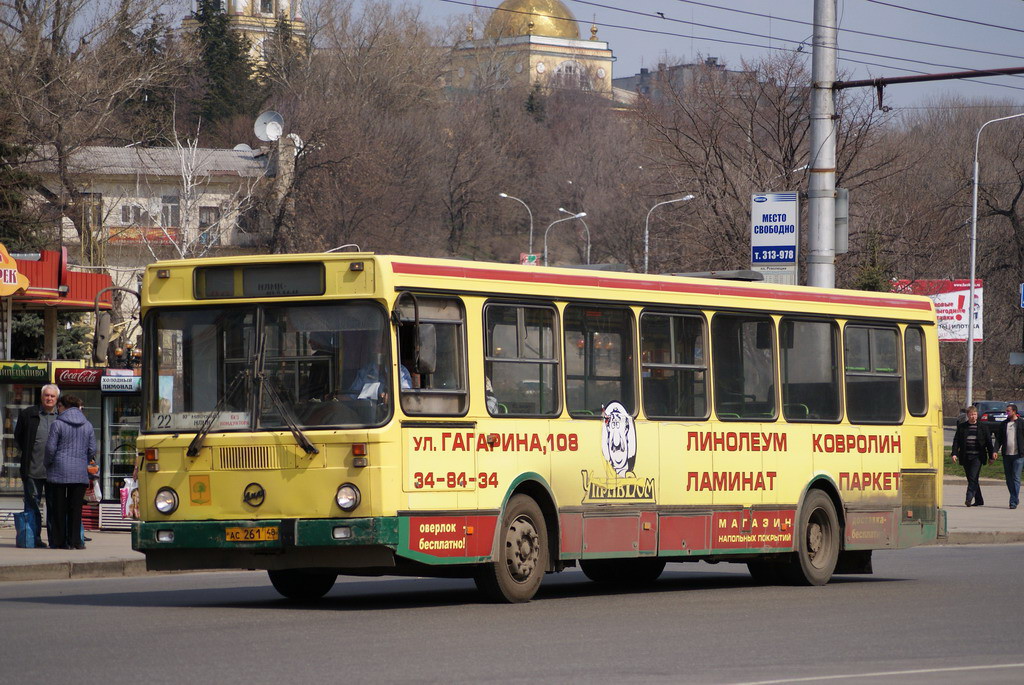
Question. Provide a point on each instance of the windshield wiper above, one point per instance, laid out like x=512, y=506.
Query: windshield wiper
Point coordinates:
x=197, y=441
x=286, y=414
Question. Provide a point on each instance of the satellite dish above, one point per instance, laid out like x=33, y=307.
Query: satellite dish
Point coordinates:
x=269, y=126
x=242, y=147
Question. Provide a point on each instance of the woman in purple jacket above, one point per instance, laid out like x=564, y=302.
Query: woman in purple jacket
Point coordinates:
x=70, y=446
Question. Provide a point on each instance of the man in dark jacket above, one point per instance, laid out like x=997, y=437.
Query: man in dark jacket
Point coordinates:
x=30, y=435
x=972, y=448
x=1010, y=438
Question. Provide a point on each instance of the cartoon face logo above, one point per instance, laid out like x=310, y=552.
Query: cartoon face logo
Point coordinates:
x=618, y=438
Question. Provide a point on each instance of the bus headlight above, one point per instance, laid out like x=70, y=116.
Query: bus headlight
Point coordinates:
x=166, y=501
x=347, y=497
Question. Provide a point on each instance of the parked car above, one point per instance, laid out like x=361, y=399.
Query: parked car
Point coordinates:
x=991, y=414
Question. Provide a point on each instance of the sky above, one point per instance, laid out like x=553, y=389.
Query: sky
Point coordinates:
x=733, y=30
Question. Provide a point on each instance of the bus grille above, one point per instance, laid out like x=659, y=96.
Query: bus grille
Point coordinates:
x=921, y=449
x=918, y=497
x=258, y=457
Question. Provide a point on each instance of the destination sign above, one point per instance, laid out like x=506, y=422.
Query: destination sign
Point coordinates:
x=285, y=280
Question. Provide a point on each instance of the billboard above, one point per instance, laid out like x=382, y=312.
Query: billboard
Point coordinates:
x=775, y=235
x=951, y=299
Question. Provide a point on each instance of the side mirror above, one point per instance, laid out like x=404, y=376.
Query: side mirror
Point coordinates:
x=101, y=338
x=426, y=336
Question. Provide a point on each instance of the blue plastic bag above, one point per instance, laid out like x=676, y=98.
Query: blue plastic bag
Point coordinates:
x=27, y=526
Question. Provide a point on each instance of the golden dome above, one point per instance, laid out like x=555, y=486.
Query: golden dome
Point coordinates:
x=549, y=17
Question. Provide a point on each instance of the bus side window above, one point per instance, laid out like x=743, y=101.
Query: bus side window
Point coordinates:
x=917, y=389
x=810, y=370
x=744, y=367
x=599, y=358
x=441, y=391
x=521, y=366
x=873, y=383
x=673, y=366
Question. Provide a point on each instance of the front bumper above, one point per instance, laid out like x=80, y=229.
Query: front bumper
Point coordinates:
x=364, y=543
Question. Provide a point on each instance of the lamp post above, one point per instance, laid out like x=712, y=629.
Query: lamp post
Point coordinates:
x=558, y=221
x=974, y=248
x=530, y=249
x=647, y=224
x=586, y=228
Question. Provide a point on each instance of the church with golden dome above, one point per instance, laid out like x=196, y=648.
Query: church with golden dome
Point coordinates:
x=527, y=42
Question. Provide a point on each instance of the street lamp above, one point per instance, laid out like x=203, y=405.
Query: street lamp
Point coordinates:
x=586, y=228
x=974, y=248
x=530, y=250
x=558, y=221
x=647, y=224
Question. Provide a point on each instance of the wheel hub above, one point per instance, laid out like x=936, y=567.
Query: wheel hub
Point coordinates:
x=523, y=549
x=814, y=539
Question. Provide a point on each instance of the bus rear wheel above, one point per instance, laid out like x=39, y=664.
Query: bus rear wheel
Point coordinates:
x=522, y=559
x=302, y=585
x=817, y=543
x=623, y=571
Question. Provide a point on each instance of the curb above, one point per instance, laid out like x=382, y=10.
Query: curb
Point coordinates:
x=64, y=570
x=983, y=538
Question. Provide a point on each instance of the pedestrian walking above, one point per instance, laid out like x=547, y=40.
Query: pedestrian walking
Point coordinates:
x=1010, y=440
x=30, y=433
x=70, y=447
x=972, y=449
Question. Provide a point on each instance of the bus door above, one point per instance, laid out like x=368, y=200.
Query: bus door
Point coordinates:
x=439, y=442
x=674, y=387
x=619, y=466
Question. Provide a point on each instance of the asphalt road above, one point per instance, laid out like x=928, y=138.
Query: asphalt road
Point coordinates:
x=928, y=615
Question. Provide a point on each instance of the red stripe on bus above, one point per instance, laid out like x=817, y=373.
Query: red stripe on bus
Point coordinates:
x=536, y=275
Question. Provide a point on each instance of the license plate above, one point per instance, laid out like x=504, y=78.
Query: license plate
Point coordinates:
x=260, y=534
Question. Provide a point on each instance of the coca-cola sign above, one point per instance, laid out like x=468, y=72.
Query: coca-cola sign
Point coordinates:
x=78, y=378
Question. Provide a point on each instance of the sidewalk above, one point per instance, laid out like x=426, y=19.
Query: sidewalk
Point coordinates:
x=111, y=554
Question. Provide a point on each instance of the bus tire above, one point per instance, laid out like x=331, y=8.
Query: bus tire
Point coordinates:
x=302, y=585
x=522, y=557
x=817, y=542
x=623, y=571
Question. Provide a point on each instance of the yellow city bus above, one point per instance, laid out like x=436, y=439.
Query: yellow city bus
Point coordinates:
x=351, y=413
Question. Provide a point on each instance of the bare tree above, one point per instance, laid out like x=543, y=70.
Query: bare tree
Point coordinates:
x=724, y=135
x=64, y=71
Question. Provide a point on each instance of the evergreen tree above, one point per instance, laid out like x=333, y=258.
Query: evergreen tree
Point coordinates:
x=535, y=105
x=18, y=226
x=230, y=86
x=149, y=113
x=283, y=56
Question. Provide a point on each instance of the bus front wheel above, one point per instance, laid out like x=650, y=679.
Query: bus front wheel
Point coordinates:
x=817, y=543
x=522, y=558
x=302, y=585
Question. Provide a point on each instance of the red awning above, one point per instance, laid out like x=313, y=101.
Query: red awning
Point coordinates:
x=52, y=284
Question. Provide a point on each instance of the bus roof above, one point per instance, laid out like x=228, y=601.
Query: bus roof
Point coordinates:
x=398, y=272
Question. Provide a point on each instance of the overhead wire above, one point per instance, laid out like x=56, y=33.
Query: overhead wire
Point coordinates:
x=673, y=34
x=945, y=16
x=753, y=34
x=868, y=34
x=657, y=15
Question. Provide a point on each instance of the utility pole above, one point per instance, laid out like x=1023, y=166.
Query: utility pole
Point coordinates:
x=821, y=186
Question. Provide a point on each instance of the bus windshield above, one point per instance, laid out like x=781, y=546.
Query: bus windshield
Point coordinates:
x=330, y=364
